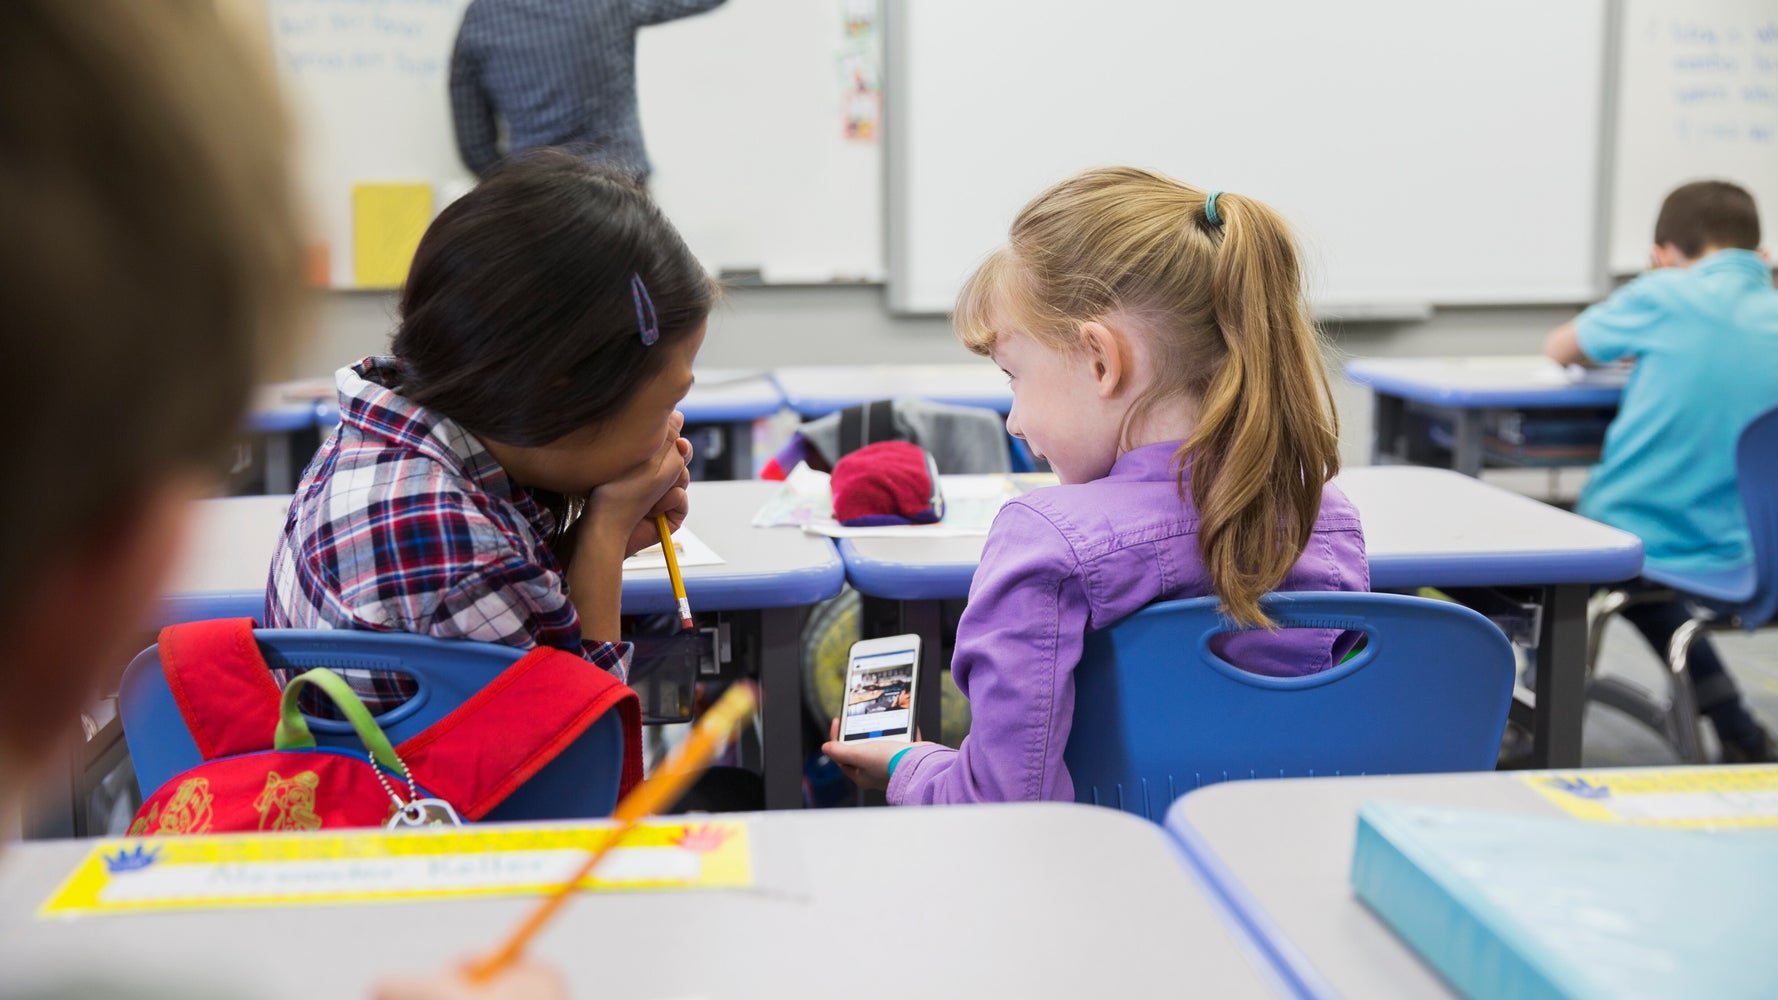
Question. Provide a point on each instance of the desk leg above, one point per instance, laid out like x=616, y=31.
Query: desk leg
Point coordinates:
x=1388, y=428
x=1466, y=456
x=925, y=618
x=1561, y=677
x=740, y=449
x=781, y=708
x=52, y=811
x=278, y=478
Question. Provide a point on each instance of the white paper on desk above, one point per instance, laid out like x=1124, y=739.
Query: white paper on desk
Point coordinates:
x=806, y=500
x=805, y=496
x=1551, y=373
x=1611, y=375
x=1547, y=372
x=692, y=551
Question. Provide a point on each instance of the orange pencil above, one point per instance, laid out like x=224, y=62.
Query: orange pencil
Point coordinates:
x=676, y=773
x=678, y=581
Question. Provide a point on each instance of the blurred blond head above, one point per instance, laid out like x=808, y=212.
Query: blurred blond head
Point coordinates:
x=150, y=271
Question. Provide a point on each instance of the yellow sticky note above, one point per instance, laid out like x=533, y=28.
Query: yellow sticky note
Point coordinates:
x=387, y=223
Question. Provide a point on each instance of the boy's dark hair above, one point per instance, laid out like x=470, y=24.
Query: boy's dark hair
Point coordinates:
x=1706, y=214
x=518, y=319
x=150, y=241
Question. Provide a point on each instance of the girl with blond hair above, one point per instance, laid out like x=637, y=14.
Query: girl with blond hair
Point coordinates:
x=1162, y=360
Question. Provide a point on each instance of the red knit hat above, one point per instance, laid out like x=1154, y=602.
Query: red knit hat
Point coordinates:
x=890, y=482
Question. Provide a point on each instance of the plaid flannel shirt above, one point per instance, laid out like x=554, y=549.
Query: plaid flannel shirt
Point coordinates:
x=405, y=523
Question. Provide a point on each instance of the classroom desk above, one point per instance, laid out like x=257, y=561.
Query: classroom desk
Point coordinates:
x=1282, y=849
x=1466, y=392
x=731, y=400
x=728, y=399
x=817, y=390
x=228, y=555
x=1423, y=528
x=778, y=572
x=1043, y=900
x=281, y=411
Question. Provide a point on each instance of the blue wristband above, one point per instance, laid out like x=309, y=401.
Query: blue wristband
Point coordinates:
x=899, y=754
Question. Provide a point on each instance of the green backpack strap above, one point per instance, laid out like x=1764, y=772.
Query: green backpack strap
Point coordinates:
x=293, y=730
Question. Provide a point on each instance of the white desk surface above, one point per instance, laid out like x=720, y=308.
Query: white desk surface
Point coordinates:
x=762, y=568
x=731, y=394
x=289, y=406
x=1438, y=528
x=816, y=390
x=230, y=544
x=224, y=568
x=988, y=901
x=1288, y=844
x=1505, y=381
x=1422, y=527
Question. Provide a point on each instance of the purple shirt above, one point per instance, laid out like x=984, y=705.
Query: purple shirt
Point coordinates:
x=1063, y=561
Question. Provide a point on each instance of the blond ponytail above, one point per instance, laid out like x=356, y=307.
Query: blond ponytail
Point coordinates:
x=1267, y=437
x=1231, y=332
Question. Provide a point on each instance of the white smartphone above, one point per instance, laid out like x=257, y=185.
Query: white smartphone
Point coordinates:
x=880, y=689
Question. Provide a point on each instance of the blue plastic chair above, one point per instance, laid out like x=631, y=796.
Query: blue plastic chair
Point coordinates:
x=1157, y=713
x=581, y=782
x=1745, y=598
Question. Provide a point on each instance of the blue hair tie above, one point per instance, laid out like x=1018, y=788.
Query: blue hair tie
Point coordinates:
x=646, y=321
x=1210, y=209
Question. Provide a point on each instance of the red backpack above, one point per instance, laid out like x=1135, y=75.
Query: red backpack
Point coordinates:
x=262, y=768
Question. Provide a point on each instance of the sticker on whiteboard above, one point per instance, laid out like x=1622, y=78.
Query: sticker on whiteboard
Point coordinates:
x=861, y=96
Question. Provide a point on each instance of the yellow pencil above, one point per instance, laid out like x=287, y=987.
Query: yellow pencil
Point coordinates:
x=676, y=773
x=660, y=523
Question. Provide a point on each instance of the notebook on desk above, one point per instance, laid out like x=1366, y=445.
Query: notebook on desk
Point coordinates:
x=1505, y=905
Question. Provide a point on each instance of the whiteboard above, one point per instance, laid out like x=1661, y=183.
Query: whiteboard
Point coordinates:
x=1697, y=99
x=1426, y=152
x=744, y=112
x=367, y=81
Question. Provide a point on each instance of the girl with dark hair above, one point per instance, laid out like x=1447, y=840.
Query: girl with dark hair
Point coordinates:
x=487, y=480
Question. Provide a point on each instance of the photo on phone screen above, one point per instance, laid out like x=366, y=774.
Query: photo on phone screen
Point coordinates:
x=879, y=696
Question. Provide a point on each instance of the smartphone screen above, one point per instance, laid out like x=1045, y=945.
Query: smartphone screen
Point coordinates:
x=879, y=696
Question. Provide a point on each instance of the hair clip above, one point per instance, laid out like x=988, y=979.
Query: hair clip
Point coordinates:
x=1210, y=209
x=646, y=321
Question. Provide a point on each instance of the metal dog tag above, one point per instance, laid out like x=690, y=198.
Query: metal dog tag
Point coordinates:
x=421, y=813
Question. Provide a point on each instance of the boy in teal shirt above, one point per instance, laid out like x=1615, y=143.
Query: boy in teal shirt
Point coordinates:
x=1702, y=329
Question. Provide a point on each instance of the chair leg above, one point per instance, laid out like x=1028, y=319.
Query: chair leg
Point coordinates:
x=1676, y=718
x=1609, y=604
x=1627, y=697
x=1683, y=706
